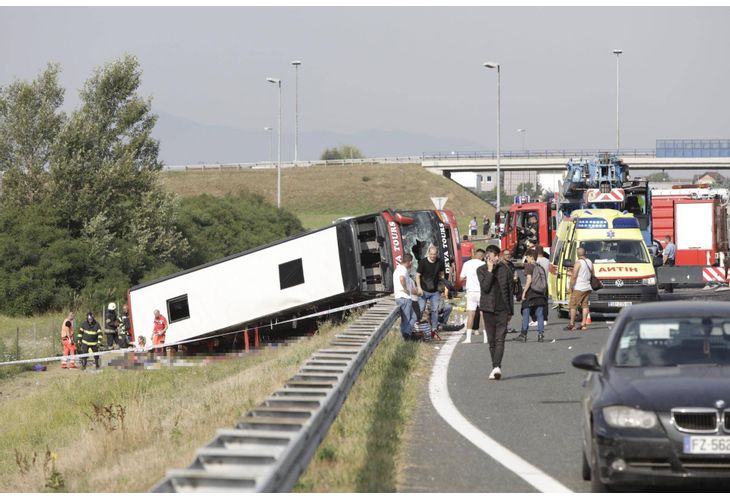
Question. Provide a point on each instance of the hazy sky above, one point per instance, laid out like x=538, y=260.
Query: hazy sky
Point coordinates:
x=408, y=69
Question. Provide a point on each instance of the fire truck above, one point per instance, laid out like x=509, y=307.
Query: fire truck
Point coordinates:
x=598, y=182
x=696, y=218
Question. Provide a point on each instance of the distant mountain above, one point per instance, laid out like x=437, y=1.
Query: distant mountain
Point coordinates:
x=184, y=141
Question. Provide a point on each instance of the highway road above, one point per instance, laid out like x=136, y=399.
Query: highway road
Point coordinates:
x=533, y=411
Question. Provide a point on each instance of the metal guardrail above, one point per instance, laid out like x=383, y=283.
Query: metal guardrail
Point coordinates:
x=537, y=153
x=267, y=165
x=271, y=446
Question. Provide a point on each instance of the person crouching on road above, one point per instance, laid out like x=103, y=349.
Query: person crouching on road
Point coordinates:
x=159, y=329
x=534, y=296
x=403, y=294
x=497, y=304
x=91, y=336
x=469, y=273
x=67, y=339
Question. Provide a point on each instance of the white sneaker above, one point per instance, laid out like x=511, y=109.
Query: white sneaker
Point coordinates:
x=467, y=341
x=497, y=373
x=532, y=323
x=491, y=375
x=544, y=322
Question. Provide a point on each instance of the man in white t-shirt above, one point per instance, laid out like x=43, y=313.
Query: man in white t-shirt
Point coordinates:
x=403, y=291
x=469, y=272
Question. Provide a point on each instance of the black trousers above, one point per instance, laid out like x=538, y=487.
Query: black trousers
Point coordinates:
x=669, y=288
x=496, y=326
x=88, y=349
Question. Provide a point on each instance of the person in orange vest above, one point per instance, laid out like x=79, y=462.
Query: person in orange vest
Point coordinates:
x=159, y=328
x=67, y=339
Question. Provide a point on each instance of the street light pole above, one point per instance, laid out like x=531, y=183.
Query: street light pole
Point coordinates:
x=618, y=52
x=277, y=81
x=296, y=65
x=493, y=65
x=269, y=130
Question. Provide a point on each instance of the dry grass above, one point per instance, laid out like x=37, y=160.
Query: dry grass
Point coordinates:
x=119, y=430
x=363, y=451
x=320, y=194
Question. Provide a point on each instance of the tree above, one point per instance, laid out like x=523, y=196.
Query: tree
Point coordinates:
x=345, y=152
x=104, y=176
x=30, y=121
x=528, y=188
x=658, y=177
x=217, y=227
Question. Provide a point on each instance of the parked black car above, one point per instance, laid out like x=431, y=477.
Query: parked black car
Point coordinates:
x=657, y=405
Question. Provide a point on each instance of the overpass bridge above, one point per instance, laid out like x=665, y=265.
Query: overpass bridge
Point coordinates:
x=553, y=161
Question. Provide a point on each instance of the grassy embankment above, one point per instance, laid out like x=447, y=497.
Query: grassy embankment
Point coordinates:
x=31, y=337
x=318, y=195
x=363, y=451
x=119, y=430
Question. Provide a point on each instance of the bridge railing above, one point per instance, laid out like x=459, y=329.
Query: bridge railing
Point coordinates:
x=535, y=153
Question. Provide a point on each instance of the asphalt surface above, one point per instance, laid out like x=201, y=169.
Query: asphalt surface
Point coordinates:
x=534, y=411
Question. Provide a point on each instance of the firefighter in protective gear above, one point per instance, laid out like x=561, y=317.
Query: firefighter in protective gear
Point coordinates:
x=67, y=339
x=125, y=327
x=91, y=337
x=111, y=325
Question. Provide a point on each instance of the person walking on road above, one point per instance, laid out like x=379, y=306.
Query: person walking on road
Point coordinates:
x=473, y=226
x=545, y=264
x=67, y=339
x=670, y=250
x=497, y=304
x=403, y=295
x=534, y=296
x=430, y=272
x=473, y=292
x=580, y=289
x=91, y=337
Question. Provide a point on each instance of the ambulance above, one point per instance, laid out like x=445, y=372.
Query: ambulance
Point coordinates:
x=614, y=243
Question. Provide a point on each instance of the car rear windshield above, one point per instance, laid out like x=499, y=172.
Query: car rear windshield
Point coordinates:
x=671, y=342
x=616, y=251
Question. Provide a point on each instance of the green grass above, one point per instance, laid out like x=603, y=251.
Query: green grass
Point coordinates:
x=363, y=451
x=160, y=417
x=319, y=195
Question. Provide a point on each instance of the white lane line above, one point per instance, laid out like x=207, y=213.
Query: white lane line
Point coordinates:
x=439, y=392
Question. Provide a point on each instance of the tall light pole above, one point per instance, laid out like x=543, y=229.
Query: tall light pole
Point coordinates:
x=277, y=81
x=618, y=52
x=493, y=65
x=522, y=131
x=269, y=130
x=296, y=65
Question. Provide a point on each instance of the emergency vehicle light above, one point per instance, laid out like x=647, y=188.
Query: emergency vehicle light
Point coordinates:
x=626, y=223
x=591, y=223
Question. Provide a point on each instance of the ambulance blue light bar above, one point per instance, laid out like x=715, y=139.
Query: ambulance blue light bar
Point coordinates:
x=591, y=223
x=626, y=223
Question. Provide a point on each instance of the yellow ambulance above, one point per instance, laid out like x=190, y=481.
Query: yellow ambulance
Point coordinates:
x=613, y=242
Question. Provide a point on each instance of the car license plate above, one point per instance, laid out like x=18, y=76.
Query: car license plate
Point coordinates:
x=707, y=445
x=619, y=304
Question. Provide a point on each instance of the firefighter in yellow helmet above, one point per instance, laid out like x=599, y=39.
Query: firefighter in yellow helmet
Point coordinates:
x=91, y=337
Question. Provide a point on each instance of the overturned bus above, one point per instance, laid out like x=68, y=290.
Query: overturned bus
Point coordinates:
x=349, y=261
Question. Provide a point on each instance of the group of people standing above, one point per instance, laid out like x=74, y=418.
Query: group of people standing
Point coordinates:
x=89, y=339
x=491, y=284
x=474, y=226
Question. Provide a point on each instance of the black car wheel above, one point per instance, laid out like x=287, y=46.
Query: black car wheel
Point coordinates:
x=597, y=485
x=586, y=469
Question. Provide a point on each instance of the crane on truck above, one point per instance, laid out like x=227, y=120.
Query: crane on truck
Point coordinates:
x=349, y=261
x=598, y=182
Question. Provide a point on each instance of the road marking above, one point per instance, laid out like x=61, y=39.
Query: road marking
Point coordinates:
x=439, y=392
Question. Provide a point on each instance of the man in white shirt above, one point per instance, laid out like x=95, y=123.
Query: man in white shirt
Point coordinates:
x=403, y=291
x=469, y=272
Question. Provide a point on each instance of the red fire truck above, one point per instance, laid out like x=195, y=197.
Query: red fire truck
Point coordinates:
x=695, y=217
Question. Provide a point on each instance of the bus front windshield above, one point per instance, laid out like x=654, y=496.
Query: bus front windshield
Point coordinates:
x=616, y=251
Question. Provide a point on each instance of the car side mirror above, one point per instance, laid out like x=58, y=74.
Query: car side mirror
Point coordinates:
x=658, y=260
x=568, y=263
x=587, y=362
